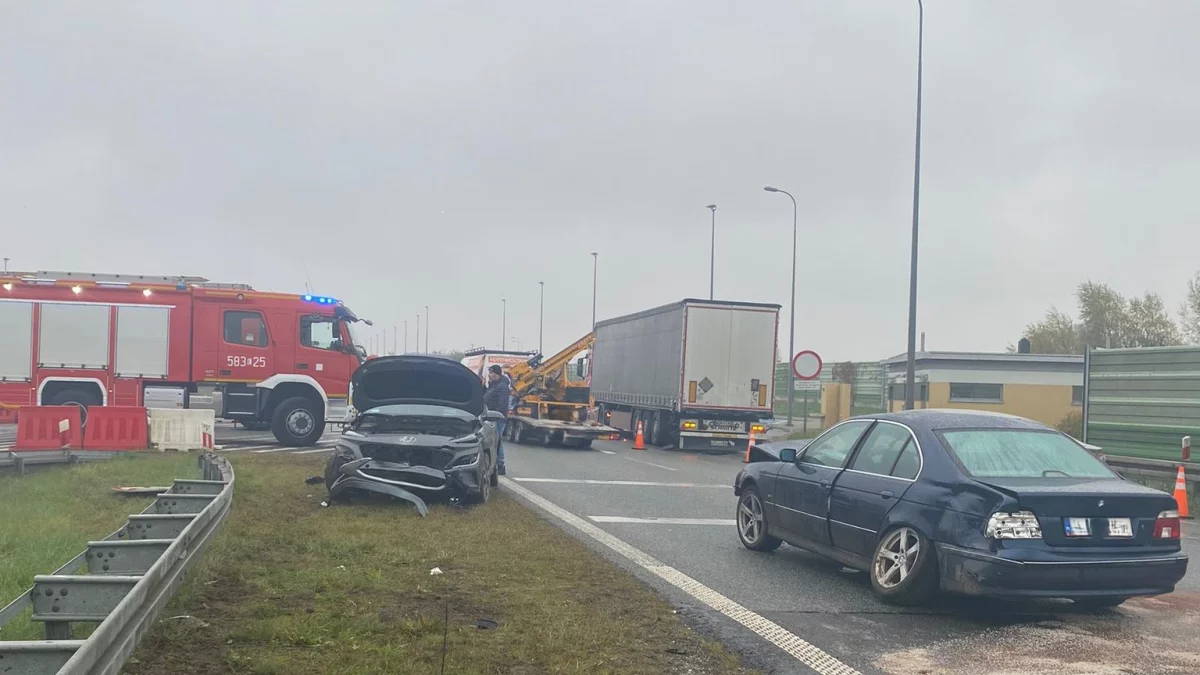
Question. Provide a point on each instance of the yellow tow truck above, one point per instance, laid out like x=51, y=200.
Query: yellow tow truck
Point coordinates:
x=554, y=399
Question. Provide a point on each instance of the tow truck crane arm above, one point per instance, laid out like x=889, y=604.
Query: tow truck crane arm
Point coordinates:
x=539, y=374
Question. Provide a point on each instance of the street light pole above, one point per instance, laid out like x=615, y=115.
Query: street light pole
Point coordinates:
x=712, y=259
x=426, y=327
x=910, y=373
x=595, y=264
x=417, y=334
x=541, y=312
x=503, y=323
x=792, y=321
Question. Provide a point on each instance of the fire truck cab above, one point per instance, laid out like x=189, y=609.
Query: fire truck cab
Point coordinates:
x=267, y=360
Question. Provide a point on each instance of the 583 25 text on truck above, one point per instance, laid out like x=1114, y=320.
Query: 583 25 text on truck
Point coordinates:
x=278, y=361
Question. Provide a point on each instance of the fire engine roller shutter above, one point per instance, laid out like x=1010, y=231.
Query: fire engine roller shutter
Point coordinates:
x=142, y=334
x=73, y=335
x=16, y=340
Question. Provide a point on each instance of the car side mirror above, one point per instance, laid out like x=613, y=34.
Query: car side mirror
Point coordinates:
x=493, y=416
x=788, y=455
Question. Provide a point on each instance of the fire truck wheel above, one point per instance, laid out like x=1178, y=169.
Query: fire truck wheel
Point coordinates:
x=297, y=422
x=75, y=397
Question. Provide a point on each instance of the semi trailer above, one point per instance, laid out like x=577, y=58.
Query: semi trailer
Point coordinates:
x=696, y=374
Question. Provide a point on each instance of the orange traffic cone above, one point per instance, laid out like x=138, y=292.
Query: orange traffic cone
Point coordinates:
x=1181, y=494
x=639, y=441
x=749, y=444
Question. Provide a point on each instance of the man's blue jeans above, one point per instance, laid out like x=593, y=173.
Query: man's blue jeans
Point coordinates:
x=500, y=444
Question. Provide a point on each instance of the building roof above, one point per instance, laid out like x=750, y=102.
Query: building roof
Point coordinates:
x=989, y=357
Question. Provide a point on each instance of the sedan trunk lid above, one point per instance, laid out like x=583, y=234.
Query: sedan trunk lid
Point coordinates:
x=1088, y=511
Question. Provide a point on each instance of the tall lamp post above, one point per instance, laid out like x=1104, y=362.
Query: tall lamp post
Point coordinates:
x=503, y=323
x=910, y=373
x=541, y=311
x=712, y=258
x=417, y=333
x=406, y=336
x=426, y=327
x=792, y=317
x=595, y=264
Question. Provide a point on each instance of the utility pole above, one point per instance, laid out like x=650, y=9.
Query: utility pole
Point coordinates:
x=541, y=312
x=417, y=333
x=406, y=336
x=595, y=264
x=712, y=260
x=426, y=327
x=910, y=381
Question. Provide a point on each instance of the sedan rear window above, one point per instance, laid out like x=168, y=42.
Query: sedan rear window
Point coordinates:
x=1019, y=453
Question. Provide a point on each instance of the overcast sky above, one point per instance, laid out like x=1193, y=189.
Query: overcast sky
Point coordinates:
x=451, y=154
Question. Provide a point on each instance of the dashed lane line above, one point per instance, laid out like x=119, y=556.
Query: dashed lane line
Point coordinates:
x=805, y=652
x=640, y=461
x=637, y=483
x=662, y=521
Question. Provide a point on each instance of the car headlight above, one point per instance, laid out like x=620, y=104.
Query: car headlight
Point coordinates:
x=465, y=460
x=1018, y=525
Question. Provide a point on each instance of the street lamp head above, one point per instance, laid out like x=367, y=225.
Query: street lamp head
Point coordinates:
x=711, y=206
x=771, y=189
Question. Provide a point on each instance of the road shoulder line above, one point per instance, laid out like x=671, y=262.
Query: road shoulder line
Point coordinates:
x=805, y=652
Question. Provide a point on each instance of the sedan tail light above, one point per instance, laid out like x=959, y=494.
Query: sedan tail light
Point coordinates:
x=1167, y=526
x=1019, y=525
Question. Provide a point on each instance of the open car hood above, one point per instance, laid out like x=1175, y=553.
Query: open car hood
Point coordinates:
x=416, y=380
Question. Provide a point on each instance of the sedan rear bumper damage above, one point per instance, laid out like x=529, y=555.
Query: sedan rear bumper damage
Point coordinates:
x=979, y=573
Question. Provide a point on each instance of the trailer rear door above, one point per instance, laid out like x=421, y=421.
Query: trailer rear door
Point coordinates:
x=729, y=357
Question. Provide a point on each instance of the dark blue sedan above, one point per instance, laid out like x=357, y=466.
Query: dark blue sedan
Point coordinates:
x=965, y=502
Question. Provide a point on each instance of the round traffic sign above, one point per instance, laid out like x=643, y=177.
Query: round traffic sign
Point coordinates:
x=806, y=365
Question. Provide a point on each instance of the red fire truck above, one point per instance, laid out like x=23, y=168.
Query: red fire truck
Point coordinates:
x=267, y=360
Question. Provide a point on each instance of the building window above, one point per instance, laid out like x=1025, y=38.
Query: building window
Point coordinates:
x=245, y=328
x=1077, y=395
x=976, y=393
x=922, y=393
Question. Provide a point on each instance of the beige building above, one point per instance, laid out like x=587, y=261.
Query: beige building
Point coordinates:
x=1042, y=387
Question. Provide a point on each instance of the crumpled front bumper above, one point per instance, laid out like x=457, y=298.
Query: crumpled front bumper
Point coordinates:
x=412, y=483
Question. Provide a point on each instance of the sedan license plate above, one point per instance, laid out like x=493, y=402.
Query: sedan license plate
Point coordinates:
x=1120, y=527
x=1077, y=527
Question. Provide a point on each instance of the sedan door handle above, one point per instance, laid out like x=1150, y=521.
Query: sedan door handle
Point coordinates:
x=887, y=494
x=824, y=482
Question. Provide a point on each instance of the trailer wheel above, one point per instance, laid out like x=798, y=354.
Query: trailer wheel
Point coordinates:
x=297, y=422
x=655, y=429
x=75, y=397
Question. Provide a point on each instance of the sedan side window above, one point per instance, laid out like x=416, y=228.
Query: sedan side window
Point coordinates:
x=879, y=452
x=832, y=448
x=908, y=464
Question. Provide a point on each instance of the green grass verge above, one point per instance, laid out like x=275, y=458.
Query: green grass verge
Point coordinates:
x=48, y=516
x=291, y=587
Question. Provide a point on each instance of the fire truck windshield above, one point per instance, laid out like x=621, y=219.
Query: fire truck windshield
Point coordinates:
x=356, y=334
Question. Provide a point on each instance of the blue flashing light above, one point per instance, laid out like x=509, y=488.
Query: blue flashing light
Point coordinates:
x=320, y=300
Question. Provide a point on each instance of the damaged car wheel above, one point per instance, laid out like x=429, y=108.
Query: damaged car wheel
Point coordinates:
x=481, y=496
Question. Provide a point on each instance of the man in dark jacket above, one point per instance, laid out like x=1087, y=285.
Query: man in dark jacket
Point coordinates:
x=498, y=397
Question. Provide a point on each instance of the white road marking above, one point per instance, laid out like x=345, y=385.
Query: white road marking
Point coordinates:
x=663, y=521
x=327, y=448
x=265, y=450
x=640, y=483
x=804, y=651
x=608, y=452
x=243, y=448
x=657, y=466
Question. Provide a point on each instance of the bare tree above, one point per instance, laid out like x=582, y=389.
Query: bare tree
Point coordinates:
x=1189, y=313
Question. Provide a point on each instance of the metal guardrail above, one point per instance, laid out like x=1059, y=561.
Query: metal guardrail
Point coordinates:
x=131, y=575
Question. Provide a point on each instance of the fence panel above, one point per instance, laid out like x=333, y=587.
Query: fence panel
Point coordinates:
x=1142, y=402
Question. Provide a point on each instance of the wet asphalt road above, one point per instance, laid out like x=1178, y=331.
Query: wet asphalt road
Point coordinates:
x=832, y=608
